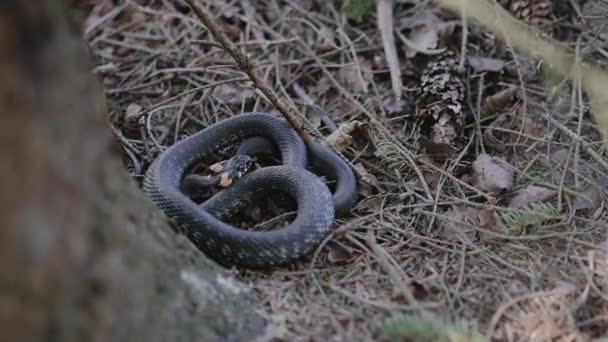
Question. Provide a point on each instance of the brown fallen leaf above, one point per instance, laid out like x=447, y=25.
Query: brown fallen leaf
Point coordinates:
x=531, y=193
x=339, y=255
x=368, y=183
x=370, y=204
x=533, y=126
x=499, y=101
x=459, y=225
x=489, y=174
x=494, y=136
x=488, y=218
x=342, y=137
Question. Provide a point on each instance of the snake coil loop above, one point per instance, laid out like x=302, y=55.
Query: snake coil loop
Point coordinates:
x=229, y=245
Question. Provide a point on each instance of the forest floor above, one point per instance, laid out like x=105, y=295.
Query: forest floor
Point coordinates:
x=504, y=238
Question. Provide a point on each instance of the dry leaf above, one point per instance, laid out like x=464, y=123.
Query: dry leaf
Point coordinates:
x=493, y=136
x=133, y=111
x=492, y=176
x=526, y=67
x=338, y=255
x=370, y=204
x=592, y=196
x=421, y=38
x=368, y=183
x=473, y=217
x=480, y=63
x=326, y=39
x=356, y=78
x=531, y=193
x=499, y=101
x=488, y=218
x=454, y=227
x=342, y=137
x=534, y=126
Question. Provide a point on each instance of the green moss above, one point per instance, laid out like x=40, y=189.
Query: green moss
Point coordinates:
x=358, y=9
x=415, y=328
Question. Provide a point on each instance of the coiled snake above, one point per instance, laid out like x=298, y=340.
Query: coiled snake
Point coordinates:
x=227, y=244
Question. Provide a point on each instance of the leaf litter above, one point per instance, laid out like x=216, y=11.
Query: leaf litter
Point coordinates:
x=159, y=66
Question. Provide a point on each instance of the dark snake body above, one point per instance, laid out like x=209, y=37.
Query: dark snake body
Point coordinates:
x=230, y=245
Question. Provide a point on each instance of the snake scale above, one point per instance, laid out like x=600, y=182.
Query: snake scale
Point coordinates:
x=229, y=245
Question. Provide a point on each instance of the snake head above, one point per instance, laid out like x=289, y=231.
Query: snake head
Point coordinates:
x=235, y=168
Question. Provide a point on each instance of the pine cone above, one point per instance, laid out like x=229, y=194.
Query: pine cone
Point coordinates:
x=440, y=104
x=535, y=12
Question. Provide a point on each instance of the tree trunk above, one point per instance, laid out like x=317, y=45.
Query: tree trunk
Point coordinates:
x=84, y=255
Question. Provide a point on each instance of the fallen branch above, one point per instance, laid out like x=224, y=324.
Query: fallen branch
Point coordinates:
x=245, y=65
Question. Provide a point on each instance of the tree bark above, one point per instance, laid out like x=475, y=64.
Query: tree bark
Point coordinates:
x=84, y=255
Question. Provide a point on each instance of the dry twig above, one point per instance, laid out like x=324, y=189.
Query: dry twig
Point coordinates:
x=246, y=66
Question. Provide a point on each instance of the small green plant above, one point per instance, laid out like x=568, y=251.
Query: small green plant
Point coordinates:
x=358, y=9
x=390, y=154
x=535, y=213
x=416, y=328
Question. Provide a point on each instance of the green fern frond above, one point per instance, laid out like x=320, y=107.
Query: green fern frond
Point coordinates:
x=534, y=214
x=416, y=328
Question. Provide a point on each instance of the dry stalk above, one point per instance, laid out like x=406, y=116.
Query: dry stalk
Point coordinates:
x=245, y=65
x=385, y=24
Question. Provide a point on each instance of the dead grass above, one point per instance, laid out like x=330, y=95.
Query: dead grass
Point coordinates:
x=165, y=78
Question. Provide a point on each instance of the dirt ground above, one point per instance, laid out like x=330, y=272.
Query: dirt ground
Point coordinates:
x=503, y=237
